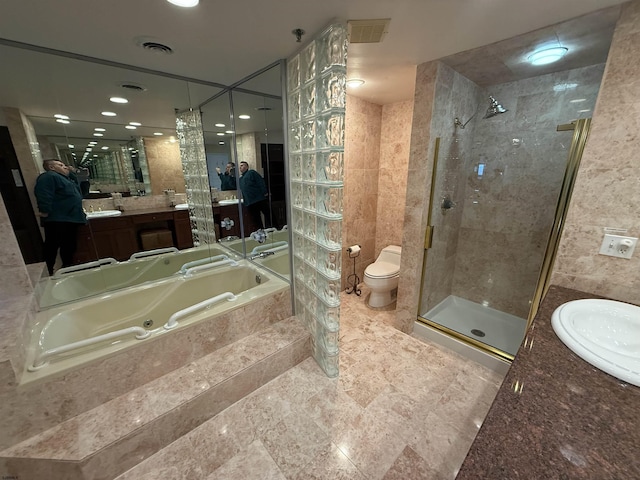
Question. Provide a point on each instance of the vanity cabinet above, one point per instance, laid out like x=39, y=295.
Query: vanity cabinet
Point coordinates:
x=120, y=237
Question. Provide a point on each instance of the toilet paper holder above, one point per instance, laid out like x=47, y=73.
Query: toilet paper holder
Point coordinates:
x=353, y=280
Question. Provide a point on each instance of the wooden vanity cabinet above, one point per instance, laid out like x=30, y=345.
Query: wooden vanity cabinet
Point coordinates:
x=120, y=237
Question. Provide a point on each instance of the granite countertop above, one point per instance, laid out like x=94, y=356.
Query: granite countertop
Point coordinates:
x=141, y=211
x=556, y=416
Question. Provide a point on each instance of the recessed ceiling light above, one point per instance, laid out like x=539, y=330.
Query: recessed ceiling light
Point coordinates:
x=105, y=148
x=59, y=115
x=220, y=143
x=95, y=154
x=547, y=55
x=71, y=146
x=93, y=143
x=244, y=117
x=99, y=129
x=578, y=100
x=220, y=125
x=184, y=3
x=158, y=133
x=355, y=82
x=584, y=111
x=130, y=127
x=62, y=120
x=109, y=114
x=229, y=131
x=119, y=100
x=220, y=134
x=135, y=124
x=98, y=134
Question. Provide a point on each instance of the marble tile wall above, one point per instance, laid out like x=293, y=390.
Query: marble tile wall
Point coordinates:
x=508, y=211
x=165, y=166
x=418, y=182
x=607, y=190
x=361, y=163
x=395, y=139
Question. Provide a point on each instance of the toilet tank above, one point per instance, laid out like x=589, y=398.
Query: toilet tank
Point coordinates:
x=390, y=254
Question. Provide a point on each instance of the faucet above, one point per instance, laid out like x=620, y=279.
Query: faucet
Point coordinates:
x=260, y=255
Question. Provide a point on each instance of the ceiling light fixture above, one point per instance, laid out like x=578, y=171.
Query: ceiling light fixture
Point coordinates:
x=108, y=114
x=130, y=127
x=547, y=55
x=105, y=148
x=220, y=134
x=244, y=117
x=184, y=3
x=135, y=124
x=355, y=82
x=98, y=134
x=60, y=116
x=159, y=134
x=220, y=125
x=220, y=143
x=97, y=129
x=118, y=100
x=62, y=120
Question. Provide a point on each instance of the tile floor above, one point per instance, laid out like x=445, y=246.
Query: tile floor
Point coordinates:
x=401, y=409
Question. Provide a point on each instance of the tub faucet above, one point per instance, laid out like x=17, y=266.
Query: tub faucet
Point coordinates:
x=260, y=255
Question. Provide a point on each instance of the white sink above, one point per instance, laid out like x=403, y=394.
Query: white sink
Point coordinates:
x=104, y=213
x=182, y=206
x=228, y=201
x=605, y=333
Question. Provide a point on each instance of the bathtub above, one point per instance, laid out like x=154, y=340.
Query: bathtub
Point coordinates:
x=278, y=262
x=117, y=322
x=77, y=285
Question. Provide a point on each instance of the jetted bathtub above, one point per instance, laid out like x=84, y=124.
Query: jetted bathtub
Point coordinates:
x=77, y=285
x=67, y=337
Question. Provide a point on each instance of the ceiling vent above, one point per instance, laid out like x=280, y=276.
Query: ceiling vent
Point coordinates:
x=153, y=45
x=368, y=31
x=136, y=87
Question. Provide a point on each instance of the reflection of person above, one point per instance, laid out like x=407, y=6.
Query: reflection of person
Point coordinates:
x=228, y=178
x=60, y=205
x=81, y=176
x=254, y=195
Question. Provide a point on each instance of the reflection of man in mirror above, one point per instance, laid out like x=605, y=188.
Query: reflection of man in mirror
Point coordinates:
x=228, y=178
x=254, y=195
x=81, y=176
x=60, y=205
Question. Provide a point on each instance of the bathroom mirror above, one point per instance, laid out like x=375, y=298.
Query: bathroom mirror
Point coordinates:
x=40, y=85
x=256, y=138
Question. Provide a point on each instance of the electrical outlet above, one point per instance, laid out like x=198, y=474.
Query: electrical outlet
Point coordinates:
x=618, y=246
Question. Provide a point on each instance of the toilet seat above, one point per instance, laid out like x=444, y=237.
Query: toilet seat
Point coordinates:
x=382, y=270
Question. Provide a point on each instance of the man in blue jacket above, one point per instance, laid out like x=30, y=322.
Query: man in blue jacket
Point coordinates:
x=254, y=195
x=60, y=205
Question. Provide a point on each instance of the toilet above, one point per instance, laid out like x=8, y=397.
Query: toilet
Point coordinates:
x=382, y=276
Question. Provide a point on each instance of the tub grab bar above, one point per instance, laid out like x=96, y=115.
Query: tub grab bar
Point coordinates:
x=85, y=266
x=190, y=271
x=195, y=263
x=41, y=360
x=270, y=247
x=151, y=253
x=173, y=319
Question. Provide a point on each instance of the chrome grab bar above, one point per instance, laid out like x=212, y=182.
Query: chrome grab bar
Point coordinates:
x=41, y=359
x=151, y=253
x=195, y=263
x=270, y=247
x=85, y=266
x=190, y=271
x=173, y=319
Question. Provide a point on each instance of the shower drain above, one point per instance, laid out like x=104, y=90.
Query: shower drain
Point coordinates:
x=478, y=333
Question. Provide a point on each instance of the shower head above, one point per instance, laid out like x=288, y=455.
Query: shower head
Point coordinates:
x=494, y=108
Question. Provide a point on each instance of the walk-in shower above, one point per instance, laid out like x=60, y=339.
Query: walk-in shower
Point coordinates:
x=495, y=190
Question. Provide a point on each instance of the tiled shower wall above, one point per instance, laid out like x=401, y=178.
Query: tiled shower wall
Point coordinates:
x=508, y=211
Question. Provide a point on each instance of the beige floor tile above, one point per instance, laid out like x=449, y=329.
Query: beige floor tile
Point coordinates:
x=330, y=464
x=252, y=463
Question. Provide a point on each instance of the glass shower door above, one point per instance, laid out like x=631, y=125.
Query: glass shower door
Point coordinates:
x=492, y=215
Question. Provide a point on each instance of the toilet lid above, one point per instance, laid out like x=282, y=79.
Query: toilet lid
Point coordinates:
x=382, y=270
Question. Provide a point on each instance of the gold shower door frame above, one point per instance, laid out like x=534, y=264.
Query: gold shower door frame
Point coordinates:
x=580, y=134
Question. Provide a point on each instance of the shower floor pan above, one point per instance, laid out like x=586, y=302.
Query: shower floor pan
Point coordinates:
x=501, y=330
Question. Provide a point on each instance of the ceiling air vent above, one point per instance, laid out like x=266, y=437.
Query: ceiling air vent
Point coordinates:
x=133, y=86
x=368, y=31
x=153, y=45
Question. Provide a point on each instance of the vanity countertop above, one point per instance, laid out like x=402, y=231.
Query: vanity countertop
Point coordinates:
x=142, y=211
x=556, y=416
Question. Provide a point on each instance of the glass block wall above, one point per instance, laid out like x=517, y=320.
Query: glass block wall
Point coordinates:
x=316, y=98
x=194, y=167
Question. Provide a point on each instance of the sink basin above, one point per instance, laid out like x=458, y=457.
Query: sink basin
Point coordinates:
x=182, y=206
x=229, y=201
x=605, y=333
x=104, y=213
